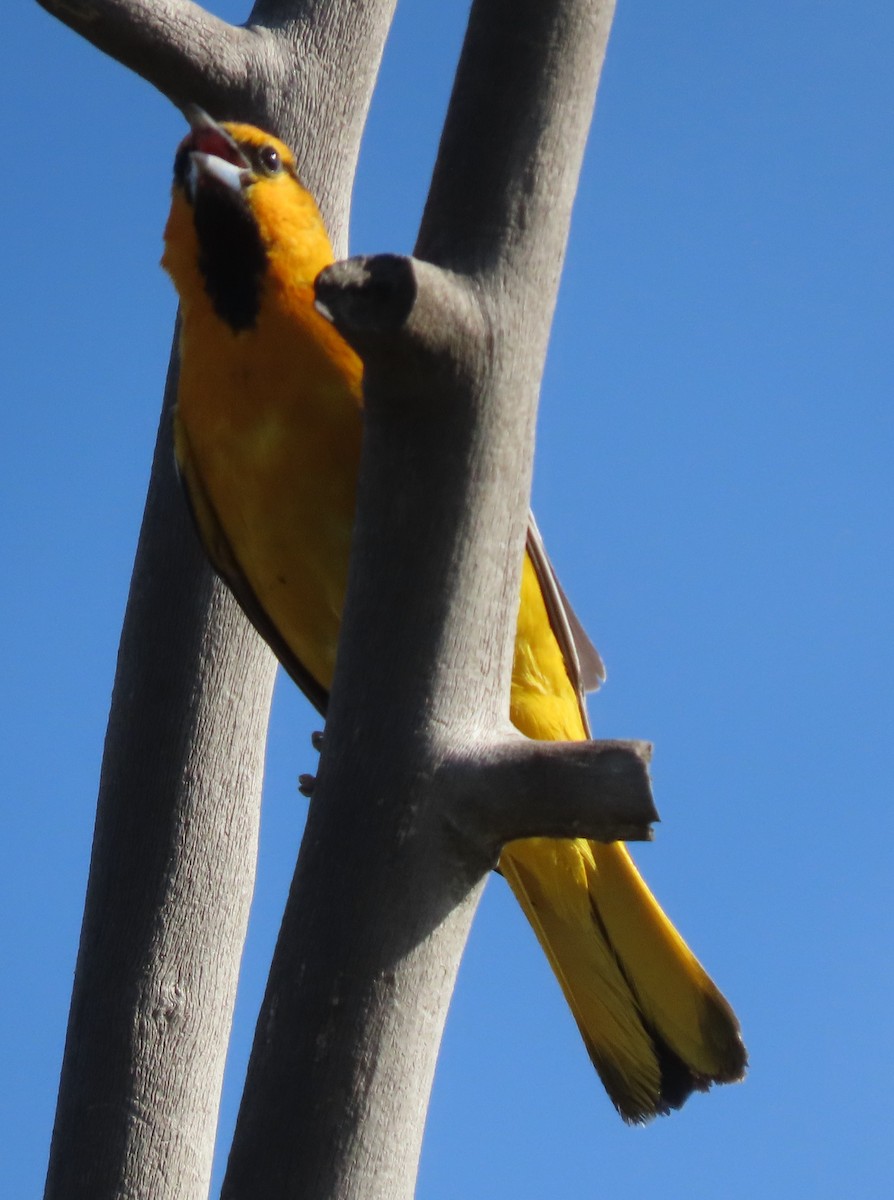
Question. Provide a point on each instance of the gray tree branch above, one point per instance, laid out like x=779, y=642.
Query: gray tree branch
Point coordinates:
x=174, y=849
x=423, y=329
x=184, y=51
x=171, y=876
x=385, y=886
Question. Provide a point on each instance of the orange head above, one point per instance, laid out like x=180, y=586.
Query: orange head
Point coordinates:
x=240, y=222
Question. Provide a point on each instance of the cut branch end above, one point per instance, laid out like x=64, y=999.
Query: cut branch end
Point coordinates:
x=416, y=324
x=598, y=790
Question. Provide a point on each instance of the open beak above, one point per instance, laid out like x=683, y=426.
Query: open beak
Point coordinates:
x=208, y=156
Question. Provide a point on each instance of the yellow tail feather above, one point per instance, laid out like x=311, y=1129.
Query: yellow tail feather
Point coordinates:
x=654, y=1024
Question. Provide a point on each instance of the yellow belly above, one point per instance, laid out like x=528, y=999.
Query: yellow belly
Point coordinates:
x=278, y=458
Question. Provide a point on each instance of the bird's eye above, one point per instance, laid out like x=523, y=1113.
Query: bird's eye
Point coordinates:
x=270, y=160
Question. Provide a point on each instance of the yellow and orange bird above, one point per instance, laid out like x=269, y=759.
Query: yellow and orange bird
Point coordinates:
x=267, y=437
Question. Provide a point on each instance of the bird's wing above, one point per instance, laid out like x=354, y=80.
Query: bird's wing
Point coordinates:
x=584, y=662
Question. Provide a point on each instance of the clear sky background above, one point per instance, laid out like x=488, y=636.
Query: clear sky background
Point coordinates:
x=713, y=481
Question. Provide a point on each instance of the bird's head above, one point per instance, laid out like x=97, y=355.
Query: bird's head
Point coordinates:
x=240, y=221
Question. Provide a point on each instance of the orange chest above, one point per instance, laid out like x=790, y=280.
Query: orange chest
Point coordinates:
x=272, y=419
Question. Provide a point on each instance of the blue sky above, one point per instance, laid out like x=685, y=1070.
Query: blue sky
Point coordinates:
x=714, y=482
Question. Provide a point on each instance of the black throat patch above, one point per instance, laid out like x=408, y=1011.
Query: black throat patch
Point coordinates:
x=232, y=257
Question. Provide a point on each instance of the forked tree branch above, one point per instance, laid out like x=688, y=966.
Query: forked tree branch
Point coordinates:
x=411, y=804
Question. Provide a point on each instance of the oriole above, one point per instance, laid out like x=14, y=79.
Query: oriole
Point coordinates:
x=267, y=438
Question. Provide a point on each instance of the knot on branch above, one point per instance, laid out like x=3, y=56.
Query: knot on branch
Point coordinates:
x=367, y=294
x=420, y=326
